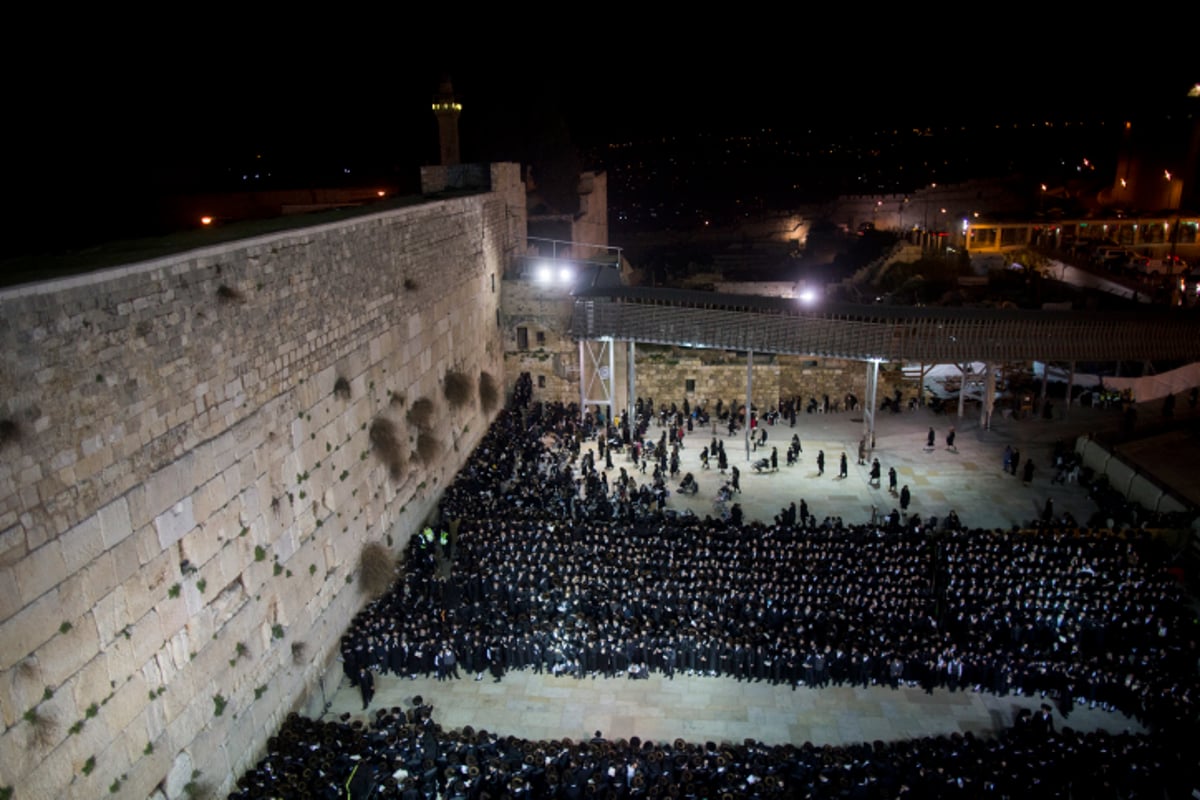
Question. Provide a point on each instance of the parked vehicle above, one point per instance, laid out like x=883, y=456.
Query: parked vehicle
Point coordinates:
x=1113, y=258
x=1167, y=265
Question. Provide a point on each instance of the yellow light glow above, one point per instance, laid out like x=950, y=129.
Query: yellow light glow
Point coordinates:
x=1167, y=174
x=1123, y=184
x=381, y=193
x=206, y=220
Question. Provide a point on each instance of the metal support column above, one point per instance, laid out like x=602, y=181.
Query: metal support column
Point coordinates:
x=962, y=387
x=1041, y=407
x=749, y=396
x=1070, y=386
x=869, y=401
x=631, y=383
x=612, y=376
x=989, y=396
x=596, y=375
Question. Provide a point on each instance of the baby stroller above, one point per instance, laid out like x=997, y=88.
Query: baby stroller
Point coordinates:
x=762, y=465
x=688, y=485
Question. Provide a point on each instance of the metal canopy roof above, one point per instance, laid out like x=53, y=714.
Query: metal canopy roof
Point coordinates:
x=888, y=333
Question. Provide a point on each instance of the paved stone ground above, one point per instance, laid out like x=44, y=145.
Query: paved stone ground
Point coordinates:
x=722, y=709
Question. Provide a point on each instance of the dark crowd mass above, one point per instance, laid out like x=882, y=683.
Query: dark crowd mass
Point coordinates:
x=537, y=563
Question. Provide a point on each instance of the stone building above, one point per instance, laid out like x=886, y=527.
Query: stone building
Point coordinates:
x=194, y=453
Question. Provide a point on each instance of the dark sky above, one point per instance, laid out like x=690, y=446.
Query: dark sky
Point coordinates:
x=95, y=115
x=169, y=105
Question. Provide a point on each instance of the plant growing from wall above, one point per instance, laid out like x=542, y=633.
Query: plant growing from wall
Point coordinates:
x=428, y=447
x=377, y=569
x=421, y=413
x=195, y=789
x=10, y=432
x=219, y=703
x=42, y=727
x=228, y=294
x=89, y=765
x=457, y=389
x=385, y=443
x=277, y=631
x=260, y=554
x=489, y=392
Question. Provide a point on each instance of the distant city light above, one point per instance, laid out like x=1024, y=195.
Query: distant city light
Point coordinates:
x=807, y=296
x=206, y=220
x=381, y=193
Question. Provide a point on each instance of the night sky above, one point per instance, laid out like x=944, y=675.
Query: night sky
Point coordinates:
x=103, y=124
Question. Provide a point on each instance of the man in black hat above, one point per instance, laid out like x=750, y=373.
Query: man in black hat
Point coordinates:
x=366, y=684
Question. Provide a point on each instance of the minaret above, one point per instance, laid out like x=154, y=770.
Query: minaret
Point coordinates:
x=447, y=111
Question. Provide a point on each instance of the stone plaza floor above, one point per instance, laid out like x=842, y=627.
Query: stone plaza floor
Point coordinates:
x=968, y=480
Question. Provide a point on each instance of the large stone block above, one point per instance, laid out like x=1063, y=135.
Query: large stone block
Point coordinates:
x=65, y=653
x=124, y=705
x=10, y=596
x=150, y=585
x=111, y=615
x=30, y=627
x=40, y=571
x=99, y=577
x=175, y=523
x=179, y=775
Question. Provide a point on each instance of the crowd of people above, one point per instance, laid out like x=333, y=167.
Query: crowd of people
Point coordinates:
x=535, y=572
x=407, y=755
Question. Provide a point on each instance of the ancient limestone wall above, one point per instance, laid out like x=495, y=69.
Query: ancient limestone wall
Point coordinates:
x=187, y=479
x=662, y=374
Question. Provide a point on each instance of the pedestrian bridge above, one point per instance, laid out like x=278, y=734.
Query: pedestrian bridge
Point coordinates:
x=929, y=335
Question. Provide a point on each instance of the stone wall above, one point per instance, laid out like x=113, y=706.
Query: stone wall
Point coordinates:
x=662, y=374
x=187, y=479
